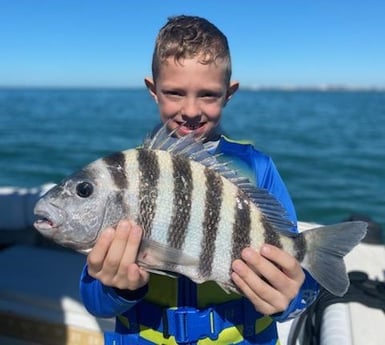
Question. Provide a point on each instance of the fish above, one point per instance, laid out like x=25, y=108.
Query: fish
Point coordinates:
x=197, y=214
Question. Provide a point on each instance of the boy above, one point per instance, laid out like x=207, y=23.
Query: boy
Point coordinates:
x=191, y=84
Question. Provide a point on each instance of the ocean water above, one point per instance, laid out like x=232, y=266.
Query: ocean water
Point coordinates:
x=329, y=146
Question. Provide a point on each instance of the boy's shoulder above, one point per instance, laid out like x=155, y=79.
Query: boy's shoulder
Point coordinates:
x=241, y=148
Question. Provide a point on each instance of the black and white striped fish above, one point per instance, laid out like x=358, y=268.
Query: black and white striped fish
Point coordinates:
x=196, y=213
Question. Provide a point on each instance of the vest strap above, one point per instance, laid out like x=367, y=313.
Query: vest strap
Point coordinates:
x=113, y=338
x=187, y=324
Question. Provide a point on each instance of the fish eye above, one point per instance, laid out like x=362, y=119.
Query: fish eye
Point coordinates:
x=84, y=189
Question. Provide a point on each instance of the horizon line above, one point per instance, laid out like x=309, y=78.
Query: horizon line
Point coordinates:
x=321, y=87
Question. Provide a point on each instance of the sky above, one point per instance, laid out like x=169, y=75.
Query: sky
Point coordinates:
x=274, y=43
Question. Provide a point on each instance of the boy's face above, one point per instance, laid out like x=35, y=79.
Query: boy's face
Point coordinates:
x=191, y=95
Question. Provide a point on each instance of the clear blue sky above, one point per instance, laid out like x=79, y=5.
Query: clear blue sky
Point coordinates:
x=273, y=42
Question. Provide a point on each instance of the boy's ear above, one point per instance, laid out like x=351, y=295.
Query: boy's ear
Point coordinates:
x=151, y=88
x=234, y=85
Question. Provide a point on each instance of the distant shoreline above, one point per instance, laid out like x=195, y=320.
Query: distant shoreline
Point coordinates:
x=319, y=88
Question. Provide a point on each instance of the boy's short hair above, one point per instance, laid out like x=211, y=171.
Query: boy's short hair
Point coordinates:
x=186, y=37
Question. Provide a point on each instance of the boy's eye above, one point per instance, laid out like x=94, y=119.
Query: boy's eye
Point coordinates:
x=210, y=94
x=210, y=97
x=173, y=93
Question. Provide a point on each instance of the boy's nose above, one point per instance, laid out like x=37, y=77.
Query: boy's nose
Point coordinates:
x=189, y=118
x=191, y=111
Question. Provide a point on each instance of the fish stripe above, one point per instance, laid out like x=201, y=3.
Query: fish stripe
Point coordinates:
x=300, y=247
x=183, y=186
x=213, y=202
x=116, y=165
x=241, y=228
x=148, y=188
x=271, y=236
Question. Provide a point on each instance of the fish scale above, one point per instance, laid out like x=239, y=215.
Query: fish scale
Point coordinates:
x=212, y=207
x=194, y=240
x=148, y=188
x=241, y=236
x=181, y=213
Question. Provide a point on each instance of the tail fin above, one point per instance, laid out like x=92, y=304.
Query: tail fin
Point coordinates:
x=326, y=247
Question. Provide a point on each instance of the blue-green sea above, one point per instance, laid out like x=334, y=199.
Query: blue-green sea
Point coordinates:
x=328, y=145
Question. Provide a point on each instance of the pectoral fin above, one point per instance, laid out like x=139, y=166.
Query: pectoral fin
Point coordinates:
x=158, y=258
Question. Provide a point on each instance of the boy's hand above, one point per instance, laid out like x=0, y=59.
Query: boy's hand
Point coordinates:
x=112, y=260
x=269, y=279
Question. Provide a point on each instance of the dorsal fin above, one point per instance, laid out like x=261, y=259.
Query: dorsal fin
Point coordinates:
x=193, y=148
x=187, y=146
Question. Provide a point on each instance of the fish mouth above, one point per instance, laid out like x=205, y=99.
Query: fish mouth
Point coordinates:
x=48, y=218
x=44, y=222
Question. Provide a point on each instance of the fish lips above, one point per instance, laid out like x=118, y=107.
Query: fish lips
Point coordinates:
x=49, y=217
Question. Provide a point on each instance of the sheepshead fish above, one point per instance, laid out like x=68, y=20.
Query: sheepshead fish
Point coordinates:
x=197, y=214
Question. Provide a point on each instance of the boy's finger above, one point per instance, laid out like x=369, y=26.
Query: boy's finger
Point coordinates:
x=282, y=260
x=117, y=248
x=286, y=274
x=96, y=257
x=255, y=291
x=131, y=249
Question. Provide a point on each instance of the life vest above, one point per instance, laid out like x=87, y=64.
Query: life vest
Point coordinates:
x=178, y=311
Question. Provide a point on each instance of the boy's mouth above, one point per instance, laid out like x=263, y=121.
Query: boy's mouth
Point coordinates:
x=192, y=126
